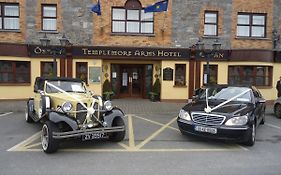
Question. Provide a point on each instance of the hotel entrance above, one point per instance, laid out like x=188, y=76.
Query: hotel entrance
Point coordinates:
x=131, y=81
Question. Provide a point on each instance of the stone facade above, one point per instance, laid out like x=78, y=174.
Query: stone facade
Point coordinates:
x=162, y=28
x=180, y=26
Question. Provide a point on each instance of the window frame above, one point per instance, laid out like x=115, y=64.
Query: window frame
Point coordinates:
x=2, y=15
x=254, y=76
x=210, y=23
x=176, y=84
x=43, y=17
x=14, y=72
x=215, y=66
x=126, y=20
x=251, y=25
x=42, y=72
x=78, y=73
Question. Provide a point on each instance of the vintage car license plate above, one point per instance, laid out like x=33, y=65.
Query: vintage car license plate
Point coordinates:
x=94, y=136
x=205, y=129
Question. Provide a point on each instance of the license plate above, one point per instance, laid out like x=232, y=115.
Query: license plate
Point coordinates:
x=205, y=129
x=94, y=136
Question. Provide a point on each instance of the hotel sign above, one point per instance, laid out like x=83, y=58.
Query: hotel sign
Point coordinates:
x=41, y=51
x=118, y=52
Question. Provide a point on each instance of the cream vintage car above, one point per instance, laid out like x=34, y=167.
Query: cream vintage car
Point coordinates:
x=68, y=110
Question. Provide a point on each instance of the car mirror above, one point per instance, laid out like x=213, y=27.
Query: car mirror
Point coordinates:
x=260, y=100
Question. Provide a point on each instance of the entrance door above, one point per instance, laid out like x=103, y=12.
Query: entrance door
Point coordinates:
x=131, y=80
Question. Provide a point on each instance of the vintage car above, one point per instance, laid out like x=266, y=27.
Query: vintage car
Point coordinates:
x=68, y=110
x=277, y=107
x=224, y=112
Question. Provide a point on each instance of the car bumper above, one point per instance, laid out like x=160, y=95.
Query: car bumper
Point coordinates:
x=222, y=132
x=82, y=132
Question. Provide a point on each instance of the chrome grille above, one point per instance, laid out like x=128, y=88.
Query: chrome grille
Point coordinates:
x=81, y=116
x=207, y=119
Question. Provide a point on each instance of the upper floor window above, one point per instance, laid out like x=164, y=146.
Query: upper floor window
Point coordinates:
x=132, y=21
x=49, y=17
x=250, y=75
x=9, y=16
x=211, y=23
x=251, y=25
x=14, y=72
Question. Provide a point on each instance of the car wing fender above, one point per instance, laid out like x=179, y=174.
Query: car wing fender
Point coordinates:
x=110, y=116
x=57, y=117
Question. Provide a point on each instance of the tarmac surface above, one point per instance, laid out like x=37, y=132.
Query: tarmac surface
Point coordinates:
x=129, y=106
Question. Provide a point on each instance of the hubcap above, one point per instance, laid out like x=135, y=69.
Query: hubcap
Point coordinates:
x=44, y=137
x=26, y=115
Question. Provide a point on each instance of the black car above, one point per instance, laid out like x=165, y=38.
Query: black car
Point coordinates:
x=224, y=112
x=277, y=107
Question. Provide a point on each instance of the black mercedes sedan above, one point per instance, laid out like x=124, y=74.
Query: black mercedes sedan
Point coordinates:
x=224, y=112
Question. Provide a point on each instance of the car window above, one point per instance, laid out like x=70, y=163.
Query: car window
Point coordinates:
x=226, y=93
x=65, y=86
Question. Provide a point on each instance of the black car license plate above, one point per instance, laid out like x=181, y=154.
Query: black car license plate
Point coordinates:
x=94, y=136
x=205, y=129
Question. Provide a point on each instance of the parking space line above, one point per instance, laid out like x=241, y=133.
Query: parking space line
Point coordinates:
x=139, y=146
x=22, y=145
x=131, y=132
x=157, y=123
x=5, y=114
x=273, y=126
x=31, y=145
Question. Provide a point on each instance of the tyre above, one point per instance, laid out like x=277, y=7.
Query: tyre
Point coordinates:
x=263, y=118
x=251, y=137
x=117, y=136
x=28, y=119
x=277, y=110
x=49, y=144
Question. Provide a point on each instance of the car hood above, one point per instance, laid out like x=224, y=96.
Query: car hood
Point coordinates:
x=60, y=98
x=234, y=108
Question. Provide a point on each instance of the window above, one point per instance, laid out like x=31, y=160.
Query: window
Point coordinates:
x=9, y=16
x=253, y=75
x=47, y=69
x=131, y=21
x=82, y=71
x=14, y=72
x=251, y=25
x=211, y=23
x=49, y=17
x=213, y=79
x=180, y=75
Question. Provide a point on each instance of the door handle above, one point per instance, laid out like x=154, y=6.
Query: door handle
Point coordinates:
x=130, y=79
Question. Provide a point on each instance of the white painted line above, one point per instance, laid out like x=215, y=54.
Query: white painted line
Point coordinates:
x=22, y=144
x=273, y=126
x=5, y=114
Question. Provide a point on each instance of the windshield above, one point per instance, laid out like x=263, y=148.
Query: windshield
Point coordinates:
x=226, y=93
x=67, y=86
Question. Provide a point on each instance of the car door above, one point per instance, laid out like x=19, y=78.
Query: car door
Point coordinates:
x=260, y=105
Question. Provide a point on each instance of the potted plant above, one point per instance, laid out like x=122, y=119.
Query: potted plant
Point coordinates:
x=155, y=93
x=107, y=90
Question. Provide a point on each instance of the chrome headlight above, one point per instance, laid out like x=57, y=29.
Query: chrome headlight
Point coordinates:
x=184, y=115
x=108, y=105
x=66, y=106
x=237, y=121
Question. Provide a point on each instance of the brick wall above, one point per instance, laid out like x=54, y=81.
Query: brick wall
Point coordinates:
x=16, y=36
x=257, y=6
x=102, y=27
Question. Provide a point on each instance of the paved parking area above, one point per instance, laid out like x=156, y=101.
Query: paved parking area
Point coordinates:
x=153, y=145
